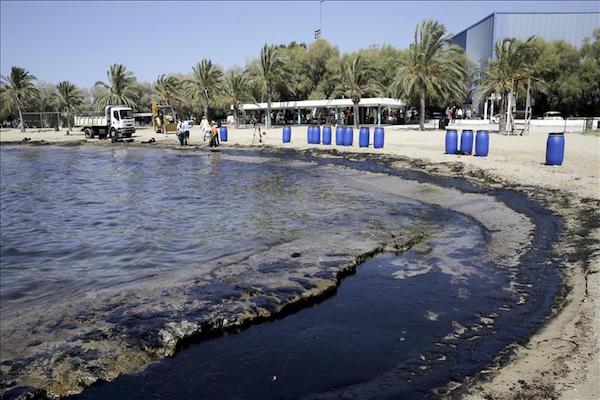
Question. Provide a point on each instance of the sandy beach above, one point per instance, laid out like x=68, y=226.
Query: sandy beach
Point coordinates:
x=562, y=359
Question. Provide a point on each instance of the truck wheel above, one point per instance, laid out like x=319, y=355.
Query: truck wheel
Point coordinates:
x=88, y=133
x=113, y=135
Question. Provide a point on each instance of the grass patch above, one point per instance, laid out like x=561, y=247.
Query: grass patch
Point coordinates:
x=592, y=132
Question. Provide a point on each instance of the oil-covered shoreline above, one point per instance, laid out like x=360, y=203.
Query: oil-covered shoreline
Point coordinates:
x=547, y=229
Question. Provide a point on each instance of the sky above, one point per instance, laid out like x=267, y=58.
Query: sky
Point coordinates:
x=78, y=40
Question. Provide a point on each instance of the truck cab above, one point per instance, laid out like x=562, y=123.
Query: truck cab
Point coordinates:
x=120, y=122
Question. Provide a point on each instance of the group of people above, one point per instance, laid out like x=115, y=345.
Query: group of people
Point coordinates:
x=209, y=131
x=453, y=113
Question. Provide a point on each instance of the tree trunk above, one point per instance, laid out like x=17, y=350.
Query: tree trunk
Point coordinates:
x=356, y=115
x=268, y=116
x=528, y=108
x=502, y=114
x=236, y=116
x=422, y=112
x=21, y=120
x=509, y=111
x=206, y=108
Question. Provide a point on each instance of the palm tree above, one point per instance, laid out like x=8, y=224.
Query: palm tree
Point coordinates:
x=256, y=89
x=68, y=98
x=120, y=89
x=206, y=81
x=432, y=71
x=18, y=91
x=167, y=88
x=236, y=91
x=355, y=81
x=511, y=66
x=271, y=65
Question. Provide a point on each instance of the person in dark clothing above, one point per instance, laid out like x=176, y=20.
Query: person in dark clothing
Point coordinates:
x=214, y=125
x=214, y=136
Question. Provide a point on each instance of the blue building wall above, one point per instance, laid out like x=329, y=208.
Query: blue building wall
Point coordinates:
x=478, y=40
x=570, y=27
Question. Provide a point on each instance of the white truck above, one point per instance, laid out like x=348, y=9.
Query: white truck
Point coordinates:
x=117, y=123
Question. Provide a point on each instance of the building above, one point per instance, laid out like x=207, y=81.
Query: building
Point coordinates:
x=478, y=40
x=301, y=109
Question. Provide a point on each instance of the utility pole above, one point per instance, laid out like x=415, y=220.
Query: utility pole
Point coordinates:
x=319, y=31
x=321, y=16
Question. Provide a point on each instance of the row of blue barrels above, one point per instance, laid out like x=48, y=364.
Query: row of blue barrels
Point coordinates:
x=482, y=142
x=313, y=135
x=344, y=136
x=555, y=145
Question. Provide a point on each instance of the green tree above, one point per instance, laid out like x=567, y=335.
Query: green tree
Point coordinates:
x=297, y=84
x=143, y=93
x=355, y=81
x=45, y=99
x=68, y=99
x=18, y=91
x=206, y=82
x=571, y=77
x=589, y=75
x=236, y=91
x=511, y=66
x=431, y=70
x=323, y=69
x=119, y=88
x=167, y=89
x=271, y=65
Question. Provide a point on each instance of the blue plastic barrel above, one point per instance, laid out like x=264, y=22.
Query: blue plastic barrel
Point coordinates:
x=555, y=149
x=451, y=142
x=482, y=143
x=309, y=134
x=223, y=132
x=317, y=135
x=287, y=134
x=378, y=138
x=466, y=141
x=363, y=137
x=339, y=136
x=327, y=135
x=348, y=136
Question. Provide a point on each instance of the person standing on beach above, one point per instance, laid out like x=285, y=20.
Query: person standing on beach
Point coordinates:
x=215, y=127
x=214, y=136
x=183, y=133
x=205, y=128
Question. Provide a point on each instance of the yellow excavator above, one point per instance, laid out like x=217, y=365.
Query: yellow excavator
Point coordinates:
x=164, y=119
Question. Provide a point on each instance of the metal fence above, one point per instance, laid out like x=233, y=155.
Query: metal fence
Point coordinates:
x=45, y=120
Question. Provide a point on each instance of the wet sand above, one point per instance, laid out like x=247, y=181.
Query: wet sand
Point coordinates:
x=562, y=359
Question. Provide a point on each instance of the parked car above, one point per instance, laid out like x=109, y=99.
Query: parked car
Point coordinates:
x=552, y=115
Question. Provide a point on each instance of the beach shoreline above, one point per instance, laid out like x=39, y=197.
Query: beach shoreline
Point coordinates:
x=552, y=361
